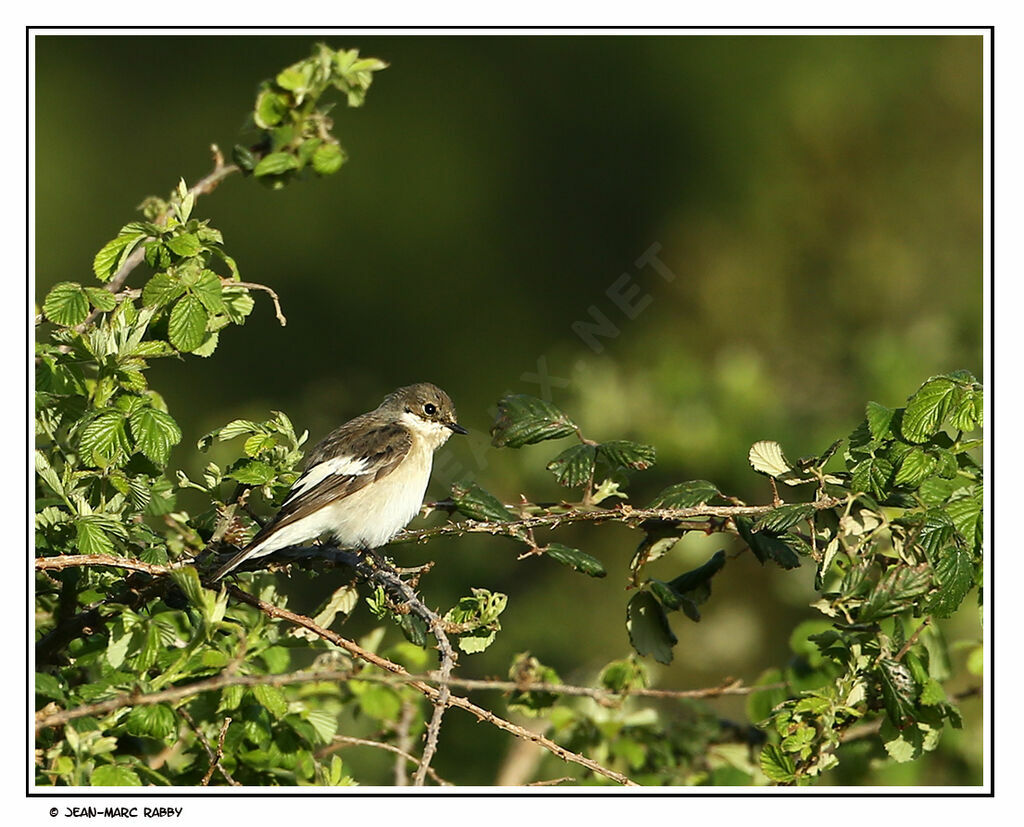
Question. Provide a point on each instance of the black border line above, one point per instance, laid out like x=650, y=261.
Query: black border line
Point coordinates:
x=989, y=558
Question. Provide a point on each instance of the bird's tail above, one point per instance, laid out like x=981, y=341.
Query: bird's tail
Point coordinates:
x=247, y=552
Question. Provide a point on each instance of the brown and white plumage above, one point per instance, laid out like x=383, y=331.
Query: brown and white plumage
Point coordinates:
x=365, y=481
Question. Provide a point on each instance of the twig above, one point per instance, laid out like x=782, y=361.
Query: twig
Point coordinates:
x=202, y=187
x=426, y=689
x=254, y=286
x=388, y=578
x=341, y=741
x=551, y=782
x=913, y=638
x=214, y=757
x=404, y=740
x=620, y=514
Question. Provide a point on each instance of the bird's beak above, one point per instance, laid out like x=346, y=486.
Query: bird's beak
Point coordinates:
x=455, y=426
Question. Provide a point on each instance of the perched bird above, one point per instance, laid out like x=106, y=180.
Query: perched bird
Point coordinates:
x=365, y=481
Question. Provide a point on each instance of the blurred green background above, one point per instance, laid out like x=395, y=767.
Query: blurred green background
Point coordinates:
x=817, y=198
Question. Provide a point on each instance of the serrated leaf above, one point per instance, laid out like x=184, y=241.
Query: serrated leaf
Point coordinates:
x=966, y=514
x=271, y=698
x=575, y=559
x=879, y=420
x=780, y=550
x=259, y=442
x=101, y=299
x=954, y=576
x=915, y=467
x=162, y=289
x=648, y=628
x=251, y=472
x=779, y=519
x=766, y=457
x=113, y=254
x=872, y=476
x=185, y=245
x=524, y=420
x=574, y=466
x=208, y=291
x=90, y=538
x=66, y=304
x=237, y=303
x=965, y=413
x=155, y=433
x=926, y=409
x=187, y=324
x=49, y=687
x=686, y=494
x=103, y=438
x=154, y=721
x=625, y=454
x=777, y=765
x=894, y=592
x=328, y=159
x=478, y=504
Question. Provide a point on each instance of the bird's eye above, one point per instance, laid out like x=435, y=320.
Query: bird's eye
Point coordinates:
x=429, y=409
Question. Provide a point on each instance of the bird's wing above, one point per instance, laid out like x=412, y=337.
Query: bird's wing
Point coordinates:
x=344, y=462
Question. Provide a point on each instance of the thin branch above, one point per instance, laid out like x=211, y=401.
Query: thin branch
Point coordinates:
x=913, y=638
x=341, y=741
x=203, y=186
x=254, y=286
x=426, y=689
x=551, y=782
x=620, y=514
x=404, y=740
x=214, y=757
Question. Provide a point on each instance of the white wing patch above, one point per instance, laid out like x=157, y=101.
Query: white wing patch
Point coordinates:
x=335, y=466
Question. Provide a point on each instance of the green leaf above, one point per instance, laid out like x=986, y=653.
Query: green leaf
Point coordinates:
x=187, y=324
x=777, y=765
x=155, y=432
x=915, y=467
x=965, y=413
x=185, y=245
x=524, y=420
x=574, y=466
x=251, y=472
x=162, y=289
x=237, y=303
x=328, y=158
x=779, y=519
x=271, y=698
x=271, y=107
x=380, y=702
x=965, y=512
x=208, y=291
x=872, y=476
x=898, y=690
x=478, y=504
x=91, y=538
x=879, y=420
x=113, y=253
x=780, y=550
x=894, y=592
x=624, y=675
x=926, y=409
x=622, y=453
x=575, y=559
x=101, y=299
x=49, y=687
x=954, y=576
x=156, y=721
x=276, y=163
x=526, y=670
x=648, y=628
x=686, y=495
x=113, y=775
x=103, y=438
x=695, y=585
x=258, y=443
x=66, y=304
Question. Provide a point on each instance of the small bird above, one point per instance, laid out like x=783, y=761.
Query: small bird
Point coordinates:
x=364, y=482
